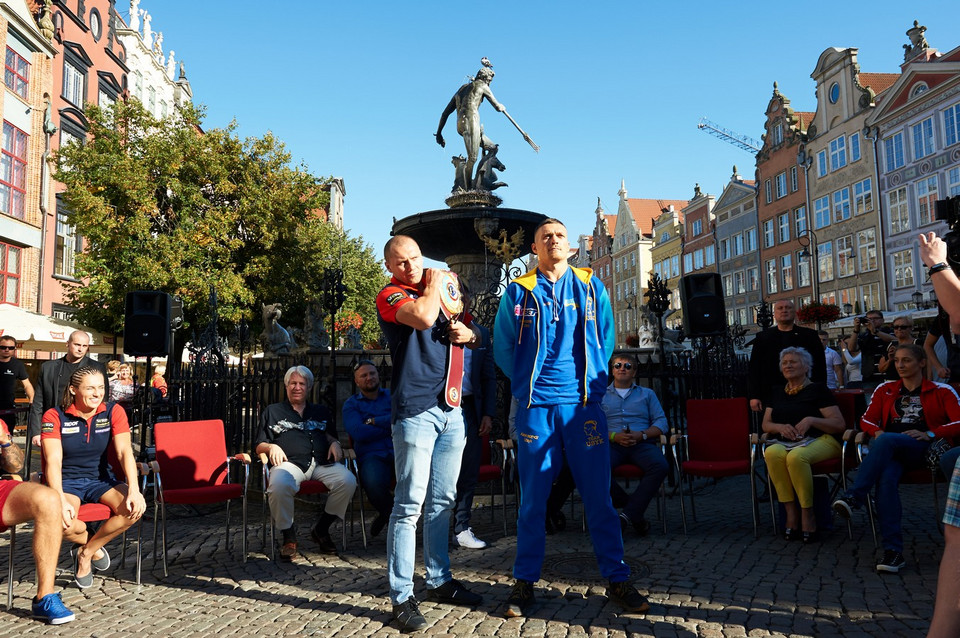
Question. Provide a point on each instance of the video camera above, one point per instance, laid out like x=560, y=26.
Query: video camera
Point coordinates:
x=949, y=211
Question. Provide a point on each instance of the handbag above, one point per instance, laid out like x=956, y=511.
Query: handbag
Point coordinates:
x=937, y=449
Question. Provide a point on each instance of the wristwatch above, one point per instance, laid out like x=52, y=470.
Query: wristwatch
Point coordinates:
x=644, y=434
x=369, y=421
x=931, y=435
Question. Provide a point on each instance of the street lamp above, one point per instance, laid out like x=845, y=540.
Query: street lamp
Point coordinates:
x=917, y=298
x=847, y=309
x=811, y=238
x=764, y=315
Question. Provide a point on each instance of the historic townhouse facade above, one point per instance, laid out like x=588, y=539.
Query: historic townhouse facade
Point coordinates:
x=24, y=172
x=917, y=126
x=699, y=248
x=601, y=246
x=666, y=255
x=738, y=257
x=841, y=175
x=781, y=204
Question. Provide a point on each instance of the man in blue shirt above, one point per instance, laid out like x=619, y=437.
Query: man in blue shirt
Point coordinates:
x=553, y=337
x=366, y=416
x=635, y=421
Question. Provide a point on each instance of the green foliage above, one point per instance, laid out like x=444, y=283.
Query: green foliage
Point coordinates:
x=167, y=206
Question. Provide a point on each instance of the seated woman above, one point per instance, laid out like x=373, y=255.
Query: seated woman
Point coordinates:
x=75, y=441
x=121, y=388
x=805, y=420
x=904, y=417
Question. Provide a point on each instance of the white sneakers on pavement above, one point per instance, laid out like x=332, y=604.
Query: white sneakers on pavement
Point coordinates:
x=469, y=540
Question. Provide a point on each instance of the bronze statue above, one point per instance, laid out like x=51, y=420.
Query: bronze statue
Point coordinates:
x=466, y=102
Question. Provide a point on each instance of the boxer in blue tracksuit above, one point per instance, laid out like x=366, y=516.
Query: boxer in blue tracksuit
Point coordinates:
x=553, y=336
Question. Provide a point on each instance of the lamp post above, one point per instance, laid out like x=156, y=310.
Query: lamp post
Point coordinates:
x=917, y=298
x=811, y=238
x=847, y=311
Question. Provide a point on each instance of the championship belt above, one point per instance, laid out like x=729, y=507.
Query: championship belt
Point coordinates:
x=451, y=305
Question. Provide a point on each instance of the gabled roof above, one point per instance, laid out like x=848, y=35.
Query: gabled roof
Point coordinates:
x=805, y=118
x=611, y=224
x=933, y=71
x=646, y=211
x=879, y=82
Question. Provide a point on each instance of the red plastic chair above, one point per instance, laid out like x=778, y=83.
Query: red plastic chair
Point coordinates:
x=718, y=444
x=488, y=473
x=629, y=472
x=192, y=468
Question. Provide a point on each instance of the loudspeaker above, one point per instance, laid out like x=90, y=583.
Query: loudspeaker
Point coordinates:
x=146, y=329
x=704, y=314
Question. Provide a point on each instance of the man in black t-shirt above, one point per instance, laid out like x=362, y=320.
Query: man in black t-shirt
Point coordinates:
x=872, y=340
x=11, y=370
x=300, y=442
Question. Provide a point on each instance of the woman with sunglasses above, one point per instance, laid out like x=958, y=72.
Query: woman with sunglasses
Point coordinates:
x=804, y=421
x=76, y=441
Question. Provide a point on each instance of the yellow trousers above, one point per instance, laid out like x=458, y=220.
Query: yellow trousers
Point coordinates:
x=790, y=470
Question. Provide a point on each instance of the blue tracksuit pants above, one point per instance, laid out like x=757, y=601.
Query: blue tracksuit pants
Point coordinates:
x=544, y=434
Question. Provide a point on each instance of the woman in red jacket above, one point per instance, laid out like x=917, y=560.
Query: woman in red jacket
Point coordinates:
x=904, y=417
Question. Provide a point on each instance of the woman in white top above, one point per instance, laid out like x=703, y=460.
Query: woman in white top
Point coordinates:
x=852, y=362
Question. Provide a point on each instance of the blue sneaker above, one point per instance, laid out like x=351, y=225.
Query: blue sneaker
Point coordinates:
x=51, y=610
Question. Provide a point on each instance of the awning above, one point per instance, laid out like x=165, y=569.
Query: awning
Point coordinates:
x=34, y=331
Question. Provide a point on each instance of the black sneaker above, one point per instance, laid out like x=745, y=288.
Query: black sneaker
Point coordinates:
x=892, y=562
x=453, y=592
x=521, y=599
x=323, y=540
x=627, y=596
x=624, y=521
x=408, y=616
x=845, y=505
x=378, y=524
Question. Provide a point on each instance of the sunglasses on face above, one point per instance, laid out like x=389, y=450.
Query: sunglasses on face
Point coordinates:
x=902, y=327
x=621, y=364
x=8, y=347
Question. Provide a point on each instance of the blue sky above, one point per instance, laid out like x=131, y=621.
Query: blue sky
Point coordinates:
x=609, y=90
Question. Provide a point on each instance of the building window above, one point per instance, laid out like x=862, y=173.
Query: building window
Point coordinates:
x=768, y=191
x=845, y=264
x=803, y=270
x=724, y=249
x=903, y=268
x=893, y=152
x=737, y=244
x=698, y=259
x=781, y=181
x=709, y=255
x=841, y=205
x=951, y=124
x=728, y=285
x=786, y=271
x=783, y=224
x=688, y=262
x=750, y=239
x=800, y=220
x=821, y=212
x=696, y=227
x=922, y=138
x=10, y=274
x=152, y=101
x=926, y=196
x=68, y=246
x=16, y=73
x=953, y=182
x=867, y=249
x=739, y=283
x=899, y=211
x=870, y=296
x=855, y=147
x=778, y=133
x=771, y=276
x=633, y=260
x=753, y=279
x=838, y=153
x=675, y=266
x=825, y=261
x=138, y=86
x=862, y=197
x=834, y=93
x=793, y=179
x=769, y=236
x=13, y=172
x=822, y=163
x=74, y=79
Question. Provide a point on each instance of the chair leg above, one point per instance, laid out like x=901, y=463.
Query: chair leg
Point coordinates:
x=773, y=505
x=680, y=479
x=873, y=522
x=139, y=545
x=228, y=525
x=13, y=540
x=243, y=533
x=163, y=535
x=503, y=500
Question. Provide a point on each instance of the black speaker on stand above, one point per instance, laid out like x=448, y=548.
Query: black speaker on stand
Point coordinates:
x=704, y=314
x=146, y=328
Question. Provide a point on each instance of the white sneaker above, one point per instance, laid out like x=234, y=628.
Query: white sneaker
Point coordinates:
x=468, y=539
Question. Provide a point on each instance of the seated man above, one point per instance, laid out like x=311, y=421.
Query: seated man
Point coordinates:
x=22, y=502
x=301, y=443
x=903, y=417
x=366, y=417
x=635, y=421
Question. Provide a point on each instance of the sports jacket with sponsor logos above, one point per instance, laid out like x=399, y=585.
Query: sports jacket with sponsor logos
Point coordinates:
x=85, y=442
x=521, y=323
x=941, y=409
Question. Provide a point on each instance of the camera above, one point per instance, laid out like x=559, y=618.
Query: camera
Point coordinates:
x=948, y=210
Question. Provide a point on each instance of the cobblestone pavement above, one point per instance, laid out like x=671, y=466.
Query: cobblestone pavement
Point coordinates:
x=716, y=581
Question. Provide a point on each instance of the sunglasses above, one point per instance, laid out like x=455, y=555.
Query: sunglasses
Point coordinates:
x=902, y=327
x=620, y=364
x=8, y=347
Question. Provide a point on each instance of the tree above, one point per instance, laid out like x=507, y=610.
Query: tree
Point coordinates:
x=164, y=205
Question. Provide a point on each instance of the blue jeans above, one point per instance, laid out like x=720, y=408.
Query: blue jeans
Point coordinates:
x=376, y=477
x=648, y=457
x=469, y=472
x=544, y=435
x=890, y=454
x=427, y=449
x=949, y=460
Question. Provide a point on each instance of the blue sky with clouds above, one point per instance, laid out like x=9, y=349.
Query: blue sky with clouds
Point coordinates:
x=609, y=90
